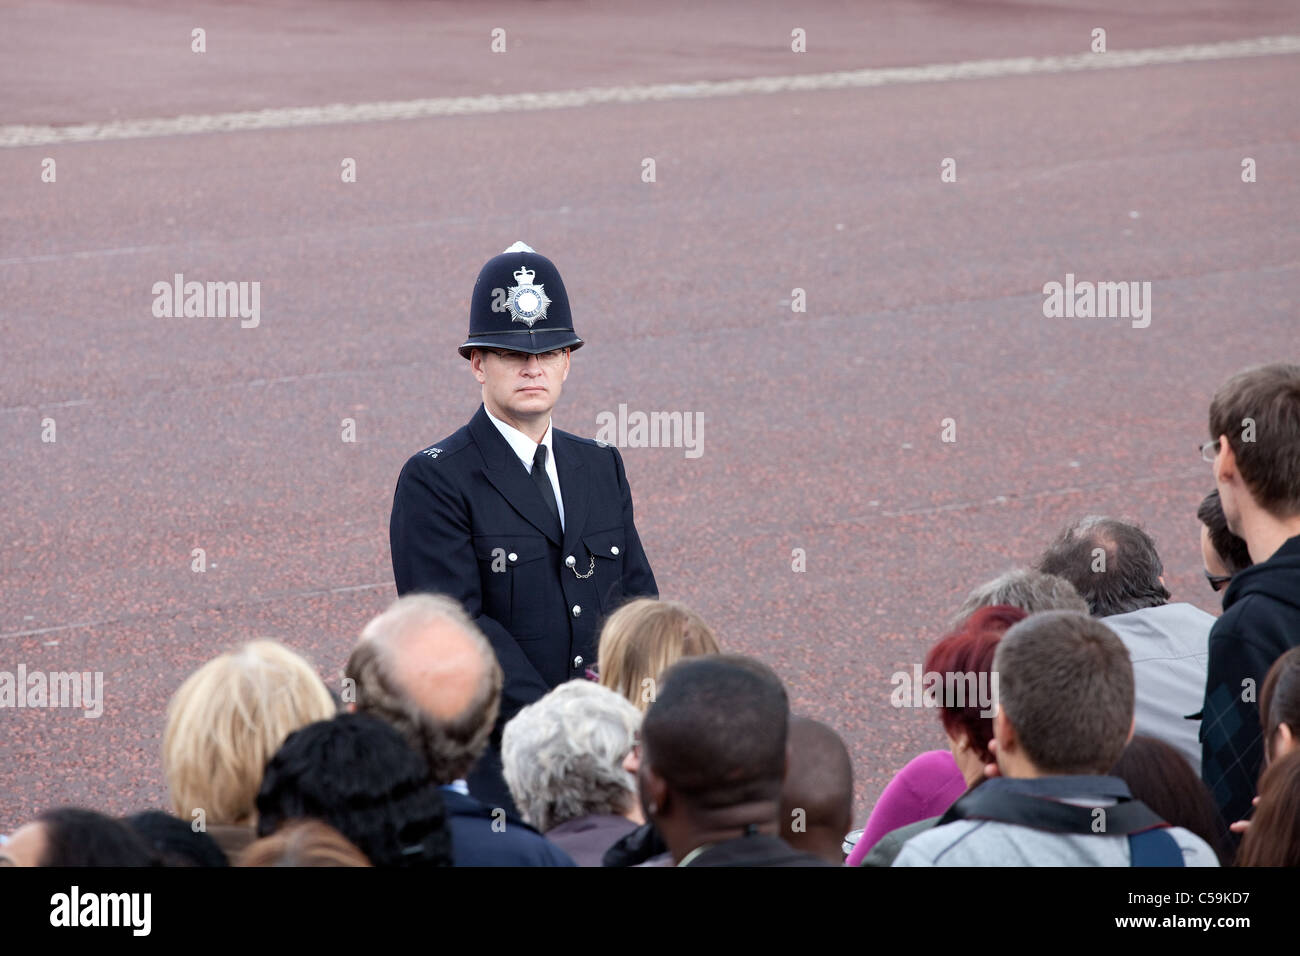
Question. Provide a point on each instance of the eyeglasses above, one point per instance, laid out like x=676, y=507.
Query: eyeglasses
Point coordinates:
x=548, y=359
x=1209, y=450
x=1218, y=581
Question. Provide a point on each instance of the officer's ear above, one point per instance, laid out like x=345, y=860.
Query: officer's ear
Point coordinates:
x=476, y=365
x=565, y=374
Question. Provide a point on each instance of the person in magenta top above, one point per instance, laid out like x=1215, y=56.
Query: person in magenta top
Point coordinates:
x=926, y=787
x=931, y=782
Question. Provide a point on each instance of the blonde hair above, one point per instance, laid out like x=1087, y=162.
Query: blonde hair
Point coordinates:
x=642, y=639
x=227, y=720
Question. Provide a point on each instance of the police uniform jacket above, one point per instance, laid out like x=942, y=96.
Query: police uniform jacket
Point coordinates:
x=469, y=522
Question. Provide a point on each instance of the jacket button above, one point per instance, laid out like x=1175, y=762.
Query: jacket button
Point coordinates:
x=570, y=561
x=512, y=556
x=577, y=661
x=614, y=549
x=576, y=610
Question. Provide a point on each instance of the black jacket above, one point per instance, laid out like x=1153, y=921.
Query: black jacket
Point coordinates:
x=1260, y=622
x=641, y=847
x=488, y=836
x=469, y=522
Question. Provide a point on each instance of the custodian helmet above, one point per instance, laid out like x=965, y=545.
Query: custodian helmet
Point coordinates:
x=519, y=304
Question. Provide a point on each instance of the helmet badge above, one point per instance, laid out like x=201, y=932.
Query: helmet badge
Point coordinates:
x=527, y=302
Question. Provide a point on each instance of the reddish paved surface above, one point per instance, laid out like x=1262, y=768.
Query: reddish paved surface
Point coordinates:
x=821, y=429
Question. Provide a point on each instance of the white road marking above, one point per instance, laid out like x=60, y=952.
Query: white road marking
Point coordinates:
x=133, y=618
x=338, y=113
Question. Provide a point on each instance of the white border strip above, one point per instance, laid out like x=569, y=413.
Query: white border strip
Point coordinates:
x=290, y=117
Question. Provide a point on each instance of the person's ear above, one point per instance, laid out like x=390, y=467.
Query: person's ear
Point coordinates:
x=1132, y=727
x=352, y=707
x=656, y=792
x=1226, y=469
x=1286, y=741
x=992, y=769
x=476, y=365
x=565, y=374
x=1004, y=735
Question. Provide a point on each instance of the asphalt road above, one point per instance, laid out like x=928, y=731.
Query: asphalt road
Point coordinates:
x=822, y=429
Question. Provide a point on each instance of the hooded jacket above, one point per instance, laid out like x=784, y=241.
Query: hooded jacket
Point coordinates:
x=1260, y=622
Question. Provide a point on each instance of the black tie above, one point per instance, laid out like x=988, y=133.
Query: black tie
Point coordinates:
x=543, y=483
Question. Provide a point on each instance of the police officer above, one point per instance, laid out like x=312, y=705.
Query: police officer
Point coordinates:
x=529, y=527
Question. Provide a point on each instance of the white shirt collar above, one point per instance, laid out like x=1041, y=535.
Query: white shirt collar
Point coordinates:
x=523, y=446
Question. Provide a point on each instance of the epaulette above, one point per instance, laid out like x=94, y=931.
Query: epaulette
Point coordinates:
x=587, y=441
x=448, y=446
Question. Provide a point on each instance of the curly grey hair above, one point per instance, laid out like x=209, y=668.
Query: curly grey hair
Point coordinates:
x=562, y=755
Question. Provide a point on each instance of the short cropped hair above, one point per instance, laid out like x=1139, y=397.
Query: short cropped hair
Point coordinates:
x=1031, y=591
x=819, y=780
x=1269, y=397
x=449, y=746
x=1065, y=683
x=1124, y=577
x=717, y=731
x=228, y=718
x=642, y=639
x=562, y=756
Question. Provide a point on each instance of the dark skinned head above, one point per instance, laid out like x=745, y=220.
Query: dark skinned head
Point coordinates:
x=714, y=751
x=817, y=799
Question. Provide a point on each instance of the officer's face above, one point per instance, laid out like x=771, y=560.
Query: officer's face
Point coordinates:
x=518, y=386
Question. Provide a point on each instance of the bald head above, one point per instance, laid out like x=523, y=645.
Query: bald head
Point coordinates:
x=817, y=797
x=424, y=667
x=436, y=664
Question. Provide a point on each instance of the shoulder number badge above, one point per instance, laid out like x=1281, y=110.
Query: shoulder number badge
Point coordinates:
x=527, y=302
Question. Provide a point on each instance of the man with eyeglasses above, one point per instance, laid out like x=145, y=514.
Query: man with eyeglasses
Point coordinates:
x=529, y=527
x=1254, y=447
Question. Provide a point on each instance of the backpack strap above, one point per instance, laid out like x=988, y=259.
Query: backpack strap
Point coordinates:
x=1155, y=847
x=1150, y=844
x=1003, y=806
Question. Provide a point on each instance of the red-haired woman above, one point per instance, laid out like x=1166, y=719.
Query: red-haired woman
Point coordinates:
x=931, y=782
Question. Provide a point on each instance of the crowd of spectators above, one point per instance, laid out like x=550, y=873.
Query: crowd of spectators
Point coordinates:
x=1126, y=728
